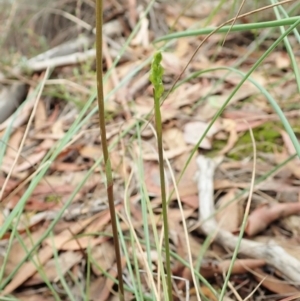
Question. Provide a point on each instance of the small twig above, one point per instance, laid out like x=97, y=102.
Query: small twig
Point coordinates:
x=63, y=49
x=272, y=253
x=74, y=58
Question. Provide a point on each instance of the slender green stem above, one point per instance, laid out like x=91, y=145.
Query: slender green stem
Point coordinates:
x=156, y=79
x=109, y=178
x=163, y=195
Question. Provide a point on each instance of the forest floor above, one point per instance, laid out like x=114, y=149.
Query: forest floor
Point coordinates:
x=55, y=228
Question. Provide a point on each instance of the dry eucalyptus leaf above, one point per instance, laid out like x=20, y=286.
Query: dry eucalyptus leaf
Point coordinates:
x=193, y=131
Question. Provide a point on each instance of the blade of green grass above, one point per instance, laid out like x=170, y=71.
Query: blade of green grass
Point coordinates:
x=145, y=203
x=234, y=28
x=286, y=15
x=289, y=48
x=62, y=279
x=19, y=208
x=263, y=90
x=244, y=222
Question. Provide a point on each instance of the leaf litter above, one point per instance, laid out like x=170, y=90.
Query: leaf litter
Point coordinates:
x=82, y=236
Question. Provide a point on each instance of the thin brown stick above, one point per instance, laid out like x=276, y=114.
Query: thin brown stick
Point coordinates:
x=109, y=178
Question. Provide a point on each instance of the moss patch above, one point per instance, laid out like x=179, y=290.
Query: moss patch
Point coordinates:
x=267, y=138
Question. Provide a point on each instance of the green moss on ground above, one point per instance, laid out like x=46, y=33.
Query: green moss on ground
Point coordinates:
x=267, y=138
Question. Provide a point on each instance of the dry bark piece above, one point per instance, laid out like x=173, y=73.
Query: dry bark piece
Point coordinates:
x=64, y=49
x=271, y=252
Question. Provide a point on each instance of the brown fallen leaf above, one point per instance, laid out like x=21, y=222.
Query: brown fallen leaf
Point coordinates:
x=211, y=268
x=242, y=114
x=76, y=178
x=103, y=257
x=90, y=152
x=241, y=266
x=293, y=166
x=152, y=178
x=241, y=126
x=291, y=298
x=38, y=205
x=11, y=185
x=288, y=143
x=207, y=293
x=191, y=201
x=186, y=94
x=46, y=189
x=230, y=127
x=82, y=243
x=253, y=119
x=282, y=60
x=41, y=115
x=234, y=78
x=273, y=284
x=104, y=218
x=179, y=239
x=44, y=254
x=225, y=184
x=14, y=143
x=32, y=159
x=65, y=261
x=193, y=131
x=176, y=214
x=228, y=216
x=66, y=237
x=173, y=138
x=17, y=251
x=168, y=154
x=263, y=216
x=277, y=186
x=32, y=295
x=27, y=222
x=62, y=166
x=107, y=287
x=215, y=102
x=187, y=187
x=96, y=288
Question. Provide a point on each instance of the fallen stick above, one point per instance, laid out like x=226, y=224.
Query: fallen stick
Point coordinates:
x=273, y=254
